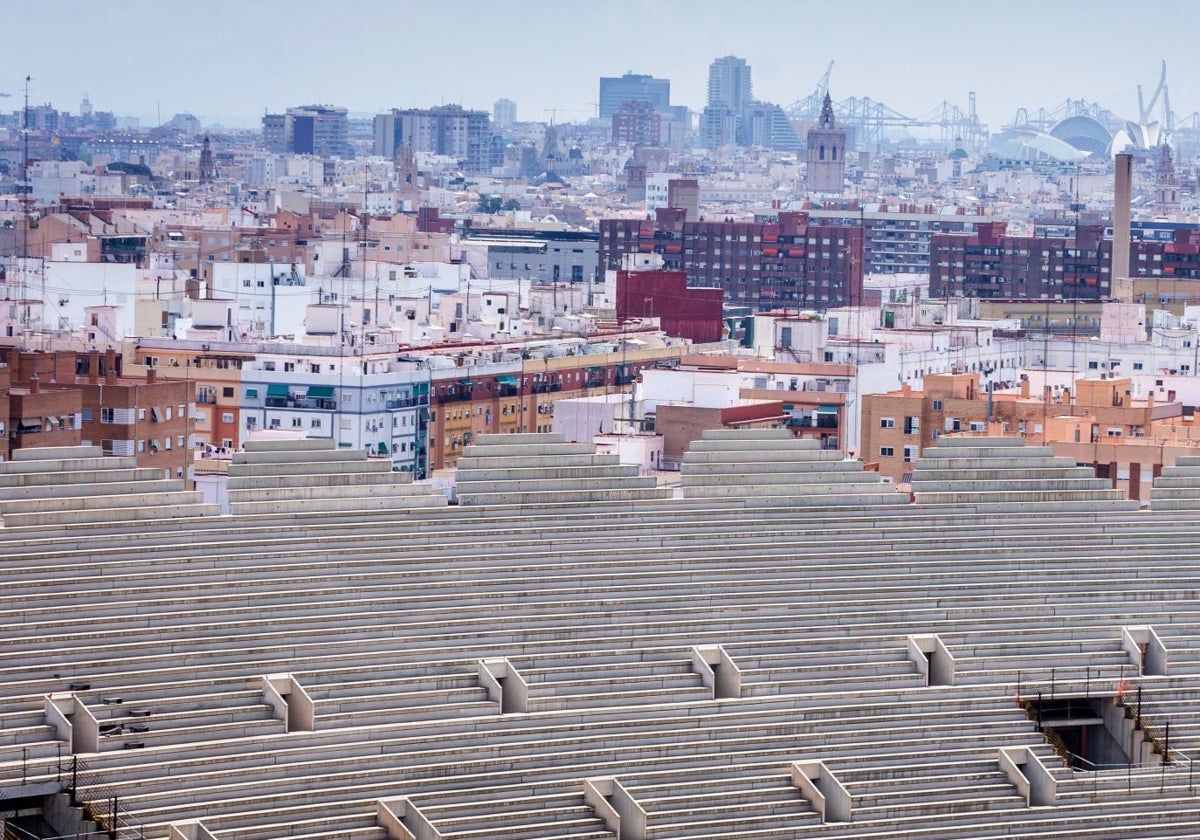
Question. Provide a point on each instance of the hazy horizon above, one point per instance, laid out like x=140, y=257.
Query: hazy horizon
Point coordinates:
x=136, y=57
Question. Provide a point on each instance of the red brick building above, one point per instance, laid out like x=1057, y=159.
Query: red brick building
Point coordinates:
x=991, y=264
x=764, y=265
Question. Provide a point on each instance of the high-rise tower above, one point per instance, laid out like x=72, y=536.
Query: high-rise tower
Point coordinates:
x=729, y=83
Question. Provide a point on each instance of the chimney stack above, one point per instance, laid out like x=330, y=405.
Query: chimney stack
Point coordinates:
x=93, y=367
x=1025, y=388
x=35, y=384
x=1046, y=392
x=1122, y=191
x=151, y=376
x=110, y=366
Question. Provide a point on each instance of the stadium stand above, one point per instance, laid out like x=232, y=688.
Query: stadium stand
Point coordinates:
x=1013, y=655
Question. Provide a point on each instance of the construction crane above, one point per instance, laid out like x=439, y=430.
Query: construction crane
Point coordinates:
x=810, y=106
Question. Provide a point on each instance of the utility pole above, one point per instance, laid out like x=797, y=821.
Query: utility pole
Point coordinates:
x=26, y=195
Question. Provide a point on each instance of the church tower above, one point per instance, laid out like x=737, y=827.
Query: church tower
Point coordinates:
x=208, y=169
x=1166, y=184
x=826, y=153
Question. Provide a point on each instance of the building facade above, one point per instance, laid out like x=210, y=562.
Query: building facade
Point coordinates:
x=448, y=130
x=319, y=130
x=615, y=91
x=989, y=263
x=789, y=263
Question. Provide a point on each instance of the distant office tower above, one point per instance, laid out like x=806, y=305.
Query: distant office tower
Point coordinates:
x=637, y=123
x=728, y=97
x=615, y=91
x=718, y=126
x=504, y=114
x=318, y=130
x=447, y=130
x=826, y=153
x=729, y=83
x=764, y=124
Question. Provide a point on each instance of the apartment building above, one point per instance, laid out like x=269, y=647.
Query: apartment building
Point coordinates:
x=897, y=426
x=792, y=262
x=991, y=264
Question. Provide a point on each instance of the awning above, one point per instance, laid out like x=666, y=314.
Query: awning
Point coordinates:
x=277, y=390
x=595, y=369
x=251, y=393
x=506, y=380
x=320, y=392
x=827, y=409
x=466, y=383
x=383, y=448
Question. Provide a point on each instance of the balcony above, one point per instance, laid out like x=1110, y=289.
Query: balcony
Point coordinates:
x=301, y=402
x=410, y=402
x=546, y=387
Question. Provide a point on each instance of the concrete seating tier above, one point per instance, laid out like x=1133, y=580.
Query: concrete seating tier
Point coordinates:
x=997, y=473
x=1178, y=488
x=70, y=485
x=542, y=469
x=485, y=667
x=314, y=477
x=772, y=467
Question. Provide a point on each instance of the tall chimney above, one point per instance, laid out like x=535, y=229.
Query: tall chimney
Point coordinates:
x=1122, y=190
x=35, y=384
x=110, y=366
x=151, y=376
x=93, y=367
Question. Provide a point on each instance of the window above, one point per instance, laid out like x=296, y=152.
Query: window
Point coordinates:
x=227, y=417
x=1093, y=365
x=887, y=423
x=226, y=392
x=316, y=423
x=910, y=454
x=106, y=415
x=937, y=405
x=297, y=422
x=886, y=452
x=141, y=414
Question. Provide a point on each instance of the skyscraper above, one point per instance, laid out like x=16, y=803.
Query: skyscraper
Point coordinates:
x=729, y=83
x=728, y=96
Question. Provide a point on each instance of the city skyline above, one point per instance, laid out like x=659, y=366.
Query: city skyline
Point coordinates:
x=910, y=59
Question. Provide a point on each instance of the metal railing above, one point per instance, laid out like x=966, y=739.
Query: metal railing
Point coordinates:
x=101, y=803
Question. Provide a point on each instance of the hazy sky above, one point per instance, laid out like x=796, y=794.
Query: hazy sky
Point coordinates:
x=231, y=60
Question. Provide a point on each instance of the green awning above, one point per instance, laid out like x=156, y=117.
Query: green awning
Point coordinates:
x=320, y=392
x=506, y=380
x=827, y=409
x=420, y=388
x=595, y=369
x=466, y=383
x=383, y=448
x=251, y=393
x=276, y=390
